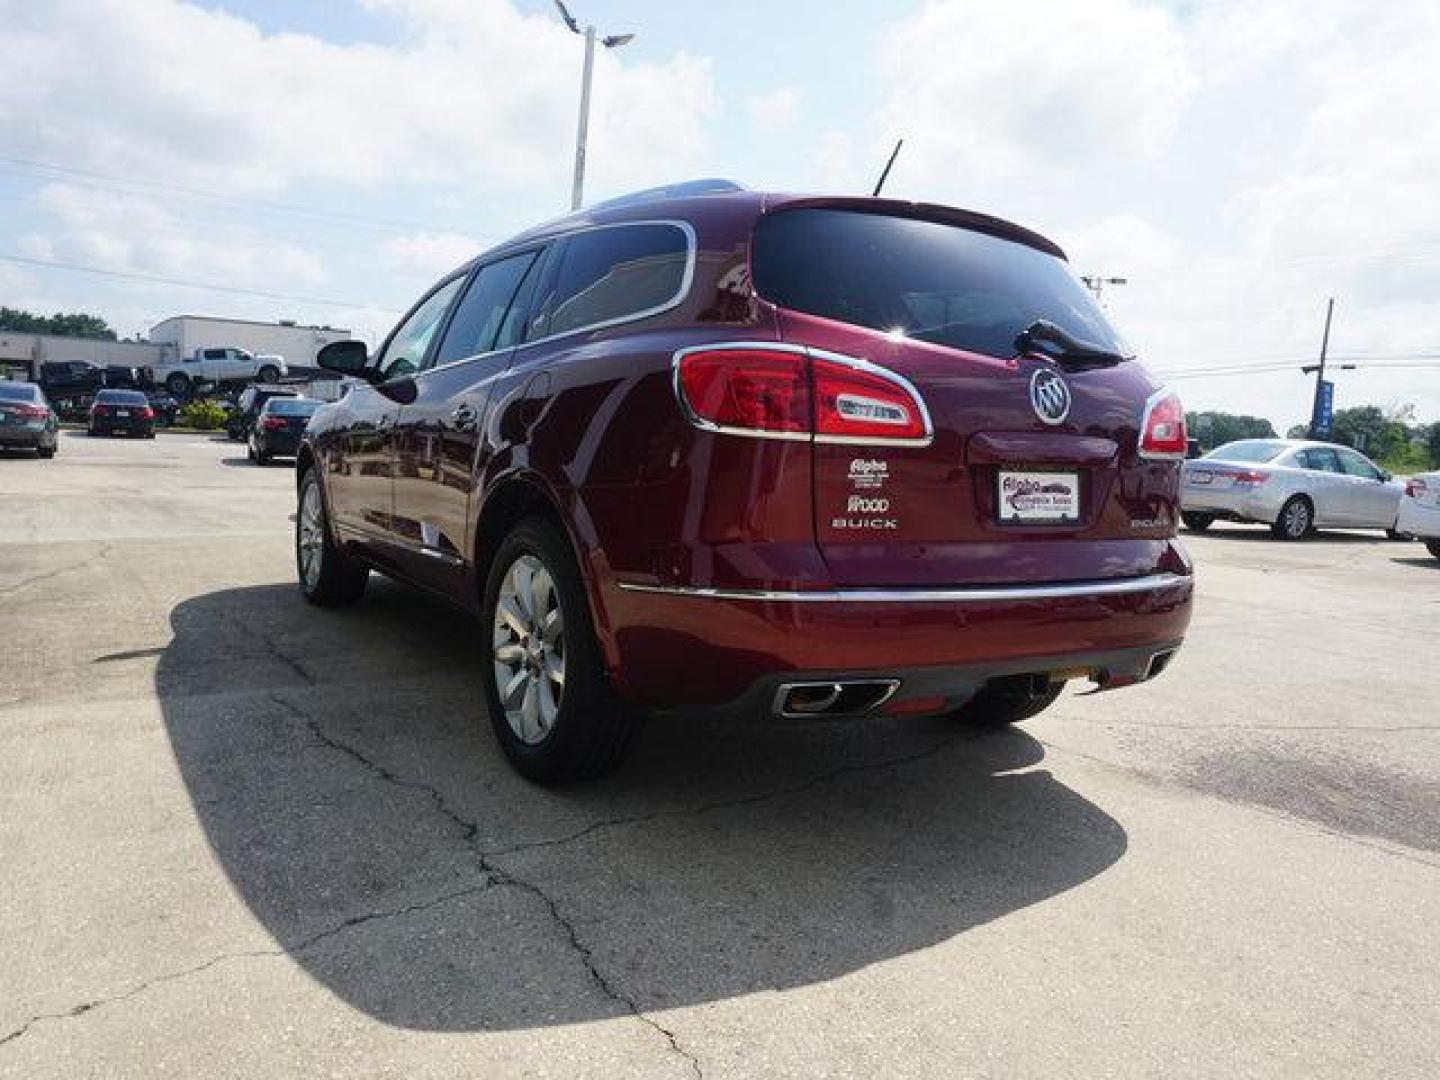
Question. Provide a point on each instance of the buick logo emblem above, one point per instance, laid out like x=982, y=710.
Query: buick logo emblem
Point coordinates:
x=1049, y=396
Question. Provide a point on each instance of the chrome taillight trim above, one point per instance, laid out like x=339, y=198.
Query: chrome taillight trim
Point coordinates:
x=961, y=595
x=1150, y=403
x=802, y=436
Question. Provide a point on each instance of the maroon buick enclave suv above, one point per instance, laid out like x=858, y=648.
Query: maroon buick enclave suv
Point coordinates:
x=704, y=448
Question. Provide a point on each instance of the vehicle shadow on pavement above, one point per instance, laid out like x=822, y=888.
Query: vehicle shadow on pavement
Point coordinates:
x=346, y=778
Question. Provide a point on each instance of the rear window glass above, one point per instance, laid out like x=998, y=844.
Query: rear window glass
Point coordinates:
x=613, y=273
x=123, y=397
x=290, y=407
x=19, y=392
x=1248, y=450
x=924, y=279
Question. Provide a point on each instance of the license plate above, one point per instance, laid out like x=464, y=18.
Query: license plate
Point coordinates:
x=122, y=412
x=1200, y=478
x=1043, y=497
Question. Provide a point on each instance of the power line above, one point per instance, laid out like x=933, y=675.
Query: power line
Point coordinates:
x=156, y=279
x=268, y=205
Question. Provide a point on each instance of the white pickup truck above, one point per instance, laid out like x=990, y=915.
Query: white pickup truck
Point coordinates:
x=217, y=365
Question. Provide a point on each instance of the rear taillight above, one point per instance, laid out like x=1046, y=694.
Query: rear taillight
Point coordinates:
x=35, y=412
x=787, y=392
x=147, y=413
x=1414, y=489
x=1245, y=477
x=272, y=423
x=1162, y=427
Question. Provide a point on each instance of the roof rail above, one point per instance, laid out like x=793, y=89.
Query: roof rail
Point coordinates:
x=713, y=185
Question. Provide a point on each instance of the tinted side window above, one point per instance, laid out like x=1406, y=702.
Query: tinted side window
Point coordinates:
x=1321, y=459
x=406, y=349
x=609, y=274
x=1355, y=465
x=481, y=311
x=214, y=354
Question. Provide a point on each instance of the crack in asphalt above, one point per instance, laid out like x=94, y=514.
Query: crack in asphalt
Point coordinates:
x=35, y=579
x=495, y=875
x=498, y=876
x=288, y=949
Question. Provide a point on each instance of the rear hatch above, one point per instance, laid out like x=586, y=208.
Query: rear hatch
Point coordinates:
x=1032, y=471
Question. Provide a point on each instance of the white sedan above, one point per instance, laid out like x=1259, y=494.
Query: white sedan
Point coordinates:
x=1292, y=485
x=1420, y=510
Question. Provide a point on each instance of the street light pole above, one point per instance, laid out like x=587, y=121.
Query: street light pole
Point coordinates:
x=578, y=190
x=612, y=41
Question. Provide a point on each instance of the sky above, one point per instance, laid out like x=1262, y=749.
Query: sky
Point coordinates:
x=1236, y=163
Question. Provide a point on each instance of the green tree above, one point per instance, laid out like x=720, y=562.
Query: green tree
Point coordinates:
x=72, y=324
x=1367, y=429
x=1218, y=428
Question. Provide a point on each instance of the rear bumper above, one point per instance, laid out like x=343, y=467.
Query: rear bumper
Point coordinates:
x=279, y=445
x=1255, y=505
x=1417, y=520
x=670, y=647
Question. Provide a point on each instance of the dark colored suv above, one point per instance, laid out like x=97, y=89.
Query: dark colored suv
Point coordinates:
x=746, y=452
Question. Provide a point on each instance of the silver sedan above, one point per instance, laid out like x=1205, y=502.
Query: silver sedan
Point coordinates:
x=1291, y=485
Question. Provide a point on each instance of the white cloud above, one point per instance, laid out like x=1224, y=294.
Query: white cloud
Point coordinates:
x=986, y=91
x=476, y=94
x=774, y=110
x=428, y=254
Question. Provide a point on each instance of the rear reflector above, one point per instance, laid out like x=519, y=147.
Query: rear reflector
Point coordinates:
x=1162, y=427
x=792, y=393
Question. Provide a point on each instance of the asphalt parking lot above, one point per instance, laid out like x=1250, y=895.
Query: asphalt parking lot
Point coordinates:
x=241, y=836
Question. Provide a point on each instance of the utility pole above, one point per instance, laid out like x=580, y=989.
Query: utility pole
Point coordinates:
x=1096, y=284
x=612, y=41
x=1322, y=405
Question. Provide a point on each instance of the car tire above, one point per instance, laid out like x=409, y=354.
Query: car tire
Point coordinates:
x=1008, y=700
x=1197, y=522
x=535, y=626
x=1296, y=519
x=332, y=579
x=1433, y=546
x=262, y=458
x=178, y=383
x=267, y=374
x=46, y=451
x=1397, y=536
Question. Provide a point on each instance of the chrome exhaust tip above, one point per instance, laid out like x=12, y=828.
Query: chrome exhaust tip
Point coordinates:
x=841, y=697
x=1158, y=663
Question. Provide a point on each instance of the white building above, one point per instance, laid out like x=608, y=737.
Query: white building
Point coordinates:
x=297, y=344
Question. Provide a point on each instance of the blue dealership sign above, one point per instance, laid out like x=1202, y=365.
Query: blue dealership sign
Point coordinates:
x=1324, y=410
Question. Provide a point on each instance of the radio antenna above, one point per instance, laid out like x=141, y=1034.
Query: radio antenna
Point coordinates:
x=885, y=175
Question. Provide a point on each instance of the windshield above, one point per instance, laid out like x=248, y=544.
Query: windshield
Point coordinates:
x=290, y=407
x=936, y=282
x=18, y=392
x=1248, y=450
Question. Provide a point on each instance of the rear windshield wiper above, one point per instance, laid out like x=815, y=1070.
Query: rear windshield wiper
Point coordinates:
x=1072, y=354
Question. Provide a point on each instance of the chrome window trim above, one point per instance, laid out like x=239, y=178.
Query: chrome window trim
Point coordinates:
x=959, y=595
x=801, y=436
x=687, y=278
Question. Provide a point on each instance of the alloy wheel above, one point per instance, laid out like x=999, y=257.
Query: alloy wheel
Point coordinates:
x=311, y=535
x=528, y=642
x=1297, y=518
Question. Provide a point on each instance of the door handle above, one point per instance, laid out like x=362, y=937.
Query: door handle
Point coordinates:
x=465, y=417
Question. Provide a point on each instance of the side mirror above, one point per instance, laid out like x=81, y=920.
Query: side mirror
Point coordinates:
x=346, y=358
x=1385, y=477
